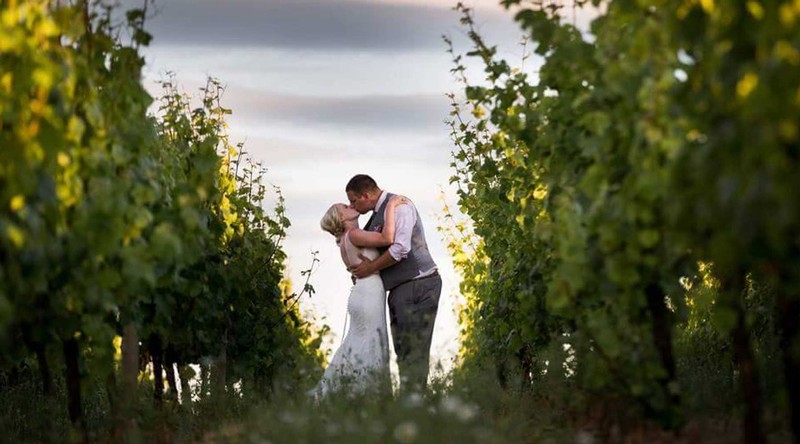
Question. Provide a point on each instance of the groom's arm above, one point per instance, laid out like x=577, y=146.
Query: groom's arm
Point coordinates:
x=368, y=267
x=405, y=219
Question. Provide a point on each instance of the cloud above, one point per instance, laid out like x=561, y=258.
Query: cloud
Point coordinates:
x=307, y=24
x=423, y=113
x=313, y=73
x=416, y=115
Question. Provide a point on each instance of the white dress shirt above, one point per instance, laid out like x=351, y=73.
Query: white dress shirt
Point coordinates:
x=404, y=220
x=405, y=217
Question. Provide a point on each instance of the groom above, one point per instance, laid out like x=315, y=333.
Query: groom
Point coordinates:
x=408, y=273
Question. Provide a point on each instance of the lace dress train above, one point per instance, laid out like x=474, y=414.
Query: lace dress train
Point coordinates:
x=361, y=364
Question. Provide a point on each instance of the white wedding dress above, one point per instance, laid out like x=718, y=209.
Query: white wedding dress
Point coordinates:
x=361, y=364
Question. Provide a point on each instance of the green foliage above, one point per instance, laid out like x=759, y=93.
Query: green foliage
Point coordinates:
x=110, y=216
x=595, y=184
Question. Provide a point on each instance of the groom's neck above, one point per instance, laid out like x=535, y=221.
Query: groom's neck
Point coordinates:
x=374, y=198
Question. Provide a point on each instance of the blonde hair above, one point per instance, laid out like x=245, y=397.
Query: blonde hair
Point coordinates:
x=332, y=222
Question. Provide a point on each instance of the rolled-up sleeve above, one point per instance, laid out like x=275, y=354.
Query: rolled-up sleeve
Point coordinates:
x=404, y=221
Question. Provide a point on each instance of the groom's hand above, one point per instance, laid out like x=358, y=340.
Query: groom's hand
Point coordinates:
x=364, y=269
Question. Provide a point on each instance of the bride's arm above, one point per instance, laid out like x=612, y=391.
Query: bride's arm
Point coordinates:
x=363, y=238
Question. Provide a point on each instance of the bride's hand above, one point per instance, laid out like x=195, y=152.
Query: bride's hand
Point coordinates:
x=364, y=269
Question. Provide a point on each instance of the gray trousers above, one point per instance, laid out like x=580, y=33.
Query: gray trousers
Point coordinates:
x=412, y=312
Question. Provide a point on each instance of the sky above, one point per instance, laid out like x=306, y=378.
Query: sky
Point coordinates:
x=322, y=90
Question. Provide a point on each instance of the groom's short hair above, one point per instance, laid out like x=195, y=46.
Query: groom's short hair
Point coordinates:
x=361, y=183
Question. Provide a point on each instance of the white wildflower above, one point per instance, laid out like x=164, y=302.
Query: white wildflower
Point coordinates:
x=406, y=432
x=413, y=400
x=584, y=437
x=455, y=406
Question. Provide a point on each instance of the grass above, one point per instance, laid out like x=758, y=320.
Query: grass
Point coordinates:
x=471, y=409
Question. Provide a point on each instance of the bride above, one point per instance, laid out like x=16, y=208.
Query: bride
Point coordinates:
x=361, y=364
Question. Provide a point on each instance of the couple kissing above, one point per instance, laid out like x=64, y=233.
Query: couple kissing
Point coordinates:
x=388, y=254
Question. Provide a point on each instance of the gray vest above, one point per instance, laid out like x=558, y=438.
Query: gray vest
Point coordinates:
x=419, y=259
